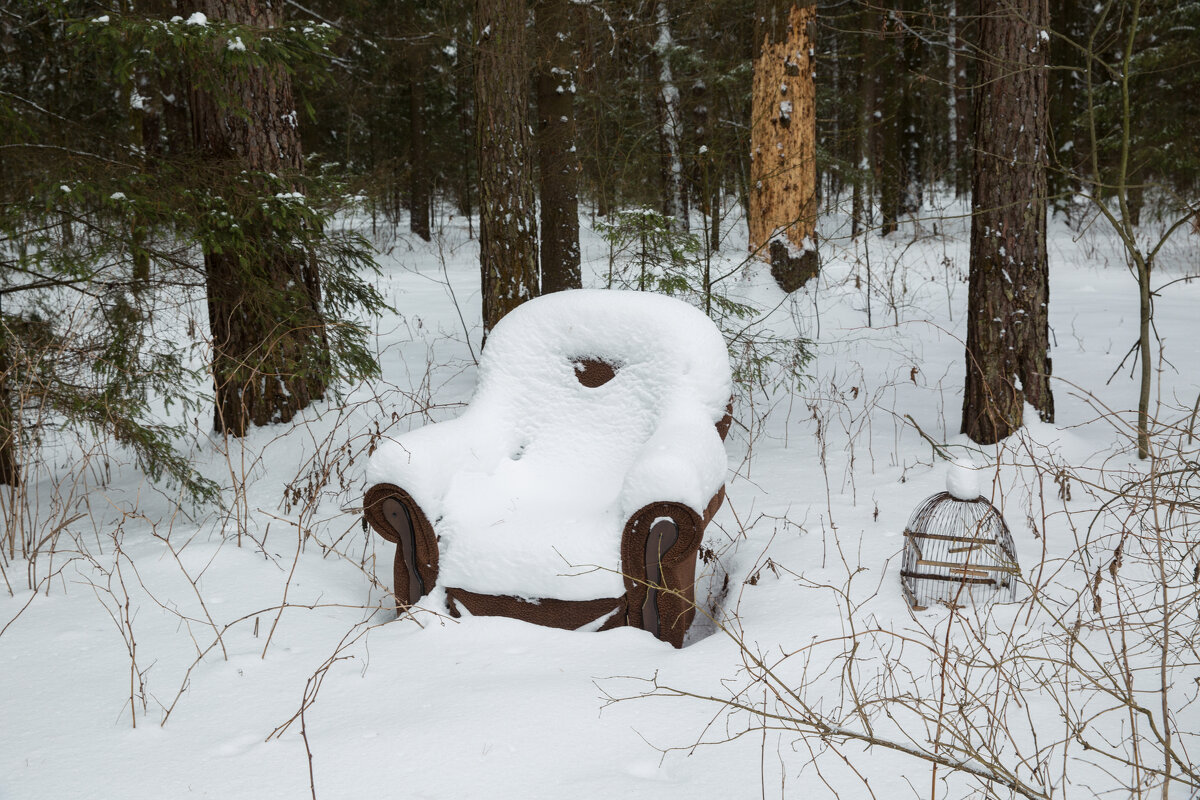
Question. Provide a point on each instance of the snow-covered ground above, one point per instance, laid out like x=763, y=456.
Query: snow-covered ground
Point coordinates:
x=250, y=653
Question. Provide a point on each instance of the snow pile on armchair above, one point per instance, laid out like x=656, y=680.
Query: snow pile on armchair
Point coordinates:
x=530, y=488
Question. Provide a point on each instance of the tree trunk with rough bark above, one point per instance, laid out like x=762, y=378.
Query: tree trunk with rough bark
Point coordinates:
x=558, y=158
x=783, y=207
x=508, y=257
x=269, y=346
x=1007, y=329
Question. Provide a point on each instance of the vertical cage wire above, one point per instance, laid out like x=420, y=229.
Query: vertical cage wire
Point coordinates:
x=957, y=552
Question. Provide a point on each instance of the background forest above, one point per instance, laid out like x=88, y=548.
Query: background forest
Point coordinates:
x=120, y=159
x=241, y=241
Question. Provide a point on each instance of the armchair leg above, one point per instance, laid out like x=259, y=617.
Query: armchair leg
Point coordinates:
x=663, y=534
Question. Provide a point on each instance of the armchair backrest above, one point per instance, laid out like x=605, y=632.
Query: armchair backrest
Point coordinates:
x=590, y=372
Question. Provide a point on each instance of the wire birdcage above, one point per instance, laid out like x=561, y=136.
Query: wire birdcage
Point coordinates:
x=958, y=553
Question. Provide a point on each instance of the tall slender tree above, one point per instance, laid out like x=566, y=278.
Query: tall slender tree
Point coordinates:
x=912, y=101
x=670, y=121
x=1008, y=362
x=887, y=74
x=783, y=197
x=420, y=179
x=558, y=156
x=508, y=256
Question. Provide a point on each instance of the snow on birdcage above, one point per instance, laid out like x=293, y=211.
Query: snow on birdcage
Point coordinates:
x=958, y=550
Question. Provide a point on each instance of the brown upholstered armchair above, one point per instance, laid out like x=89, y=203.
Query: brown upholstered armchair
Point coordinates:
x=575, y=489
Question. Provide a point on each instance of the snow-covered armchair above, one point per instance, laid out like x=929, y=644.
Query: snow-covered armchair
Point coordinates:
x=575, y=489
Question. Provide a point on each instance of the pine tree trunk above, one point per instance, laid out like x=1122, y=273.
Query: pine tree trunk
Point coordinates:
x=1007, y=330
x=420, y=175
x=783, y=193
x=507, y=213
x=269, y=345
x=558, y=159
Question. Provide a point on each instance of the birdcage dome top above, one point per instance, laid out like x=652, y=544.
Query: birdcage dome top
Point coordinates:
x=944, y=513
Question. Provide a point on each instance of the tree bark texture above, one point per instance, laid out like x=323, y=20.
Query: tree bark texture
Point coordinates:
x=783, y=207
x=955, y=103
x=269, y=345
x=912, y=110
x=558, y=158
x=887, y=161
x=864, y=105
x=670, y=122
x=595, y=124
x=420, y=175
x=10, y=473
x=1007, y=329
x=508, y=256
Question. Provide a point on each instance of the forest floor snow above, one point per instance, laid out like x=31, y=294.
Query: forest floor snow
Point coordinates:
x=222, y=620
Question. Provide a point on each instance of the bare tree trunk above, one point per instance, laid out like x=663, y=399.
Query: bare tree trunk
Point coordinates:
x=783, y=207
x=885, y=139
x=1007, y=330
x=708, y=171
x=269, y=345
x=593, y=120
x=952, y=110
x=464, y=111
x=420, y=174
x=142, y=109
x=1069, y=148
x=558, y=158
x=508, y=256
x=863, y=104
x=668, y=97
x=912, y=111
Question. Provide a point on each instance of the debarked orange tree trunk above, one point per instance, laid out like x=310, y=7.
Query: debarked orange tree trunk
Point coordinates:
x=783, y=135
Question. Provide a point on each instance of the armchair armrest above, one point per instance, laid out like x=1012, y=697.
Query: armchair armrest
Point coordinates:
x=423, y=461
x=395, y=516
x=658, y=559
x=683, y=462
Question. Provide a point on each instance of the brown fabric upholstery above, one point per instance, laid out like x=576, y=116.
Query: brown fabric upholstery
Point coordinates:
x=568, y=614
x=424, y=563
x=593, y=372
x=675, y=595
